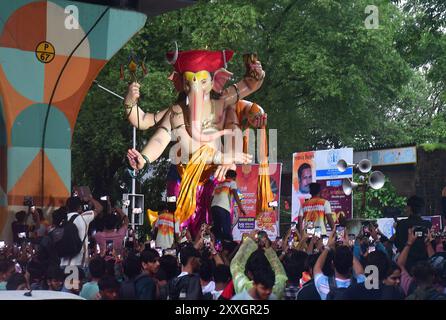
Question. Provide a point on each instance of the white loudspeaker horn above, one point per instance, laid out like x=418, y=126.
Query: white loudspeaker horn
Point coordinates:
x=365, y=166
x=342, y=165
x=377, y=180
x=348, y=186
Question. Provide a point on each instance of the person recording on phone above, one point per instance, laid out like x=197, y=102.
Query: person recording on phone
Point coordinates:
x=332, y=288
x=406, y=276
x=414, y=211
x=424, y=282
x=262, y=286
x=316, y=210
x=255, y=253
x=221, y=206
x=81, y=220
x=111, y=235
x=368, y=242
x=20, y=230
x=264, y=277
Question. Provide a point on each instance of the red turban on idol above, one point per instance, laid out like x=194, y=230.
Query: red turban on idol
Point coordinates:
x=199, y=60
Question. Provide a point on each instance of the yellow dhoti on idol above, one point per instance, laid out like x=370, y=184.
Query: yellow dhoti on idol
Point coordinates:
x=196, y=172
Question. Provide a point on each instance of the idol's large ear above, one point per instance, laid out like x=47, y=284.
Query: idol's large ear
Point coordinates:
x=221, y=76
x=177, y=80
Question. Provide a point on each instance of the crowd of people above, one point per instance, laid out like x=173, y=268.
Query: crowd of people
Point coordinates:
x=303, y=265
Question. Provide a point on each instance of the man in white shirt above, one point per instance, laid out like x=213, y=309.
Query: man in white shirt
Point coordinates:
x=82, y=221
x=221, y=206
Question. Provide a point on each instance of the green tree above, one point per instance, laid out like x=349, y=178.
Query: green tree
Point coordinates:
x=422, y=43
x=376, y=200
x=330, y=81
x=329, y=77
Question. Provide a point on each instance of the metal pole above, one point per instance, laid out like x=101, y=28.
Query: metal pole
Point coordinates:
x=132, y=220
x=134, y=186
x=133, y=75
x=134, y=171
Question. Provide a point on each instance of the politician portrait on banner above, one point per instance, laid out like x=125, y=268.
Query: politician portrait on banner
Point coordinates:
x=304, y=173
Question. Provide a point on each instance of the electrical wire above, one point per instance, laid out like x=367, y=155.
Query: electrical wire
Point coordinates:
x=52, y=97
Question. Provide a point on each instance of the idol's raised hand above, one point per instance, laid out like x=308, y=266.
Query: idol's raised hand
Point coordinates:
x=136, y=160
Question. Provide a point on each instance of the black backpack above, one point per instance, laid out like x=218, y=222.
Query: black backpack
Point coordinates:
x=178, y=288
x=66, y=240
x=335, y=292
x=127, y=290
x=308, y=292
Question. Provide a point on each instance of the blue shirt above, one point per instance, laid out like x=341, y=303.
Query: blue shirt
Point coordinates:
x=323, y=286
x=90, y=290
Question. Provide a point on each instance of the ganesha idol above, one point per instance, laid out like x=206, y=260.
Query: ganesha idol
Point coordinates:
x=204, y=114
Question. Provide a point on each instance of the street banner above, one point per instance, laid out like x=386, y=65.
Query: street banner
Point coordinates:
x=304, y=173
x=341, y=204
x=321, y=166
x=326, y=163
x=247, y=181
x=437, y=225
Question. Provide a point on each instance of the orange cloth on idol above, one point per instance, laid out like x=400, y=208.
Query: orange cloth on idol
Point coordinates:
x=208, y=171
x=187, y=199
x=264, y=192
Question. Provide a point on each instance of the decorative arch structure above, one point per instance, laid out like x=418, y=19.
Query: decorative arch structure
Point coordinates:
x=46, y=70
